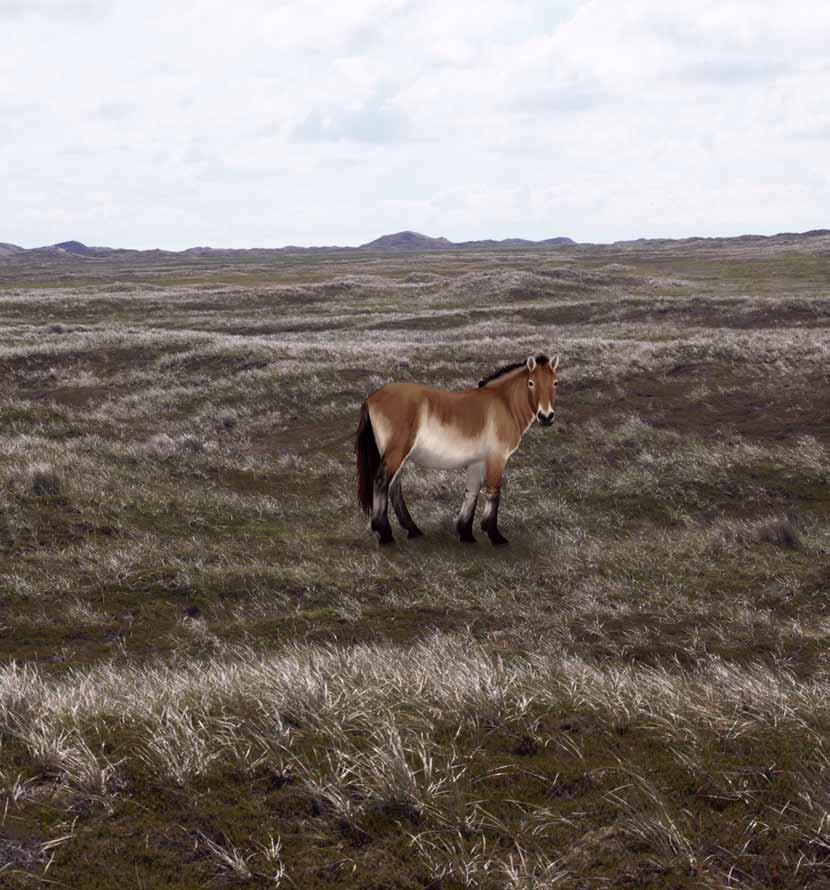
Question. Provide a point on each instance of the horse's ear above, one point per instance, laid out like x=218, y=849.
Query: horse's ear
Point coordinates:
x=555, y=363
x=531, y=363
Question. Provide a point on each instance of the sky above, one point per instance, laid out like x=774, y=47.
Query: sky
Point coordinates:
x=263, y=123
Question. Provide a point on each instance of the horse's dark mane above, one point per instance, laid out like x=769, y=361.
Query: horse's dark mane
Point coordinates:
x=540, y=359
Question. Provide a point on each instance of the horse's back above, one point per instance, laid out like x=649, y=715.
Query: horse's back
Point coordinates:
x=438, y=428
x=395, y=402
x=402, y=402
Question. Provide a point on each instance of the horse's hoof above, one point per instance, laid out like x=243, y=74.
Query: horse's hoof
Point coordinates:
x=415, y=533
x=467, y=539
x=499, y=541
x=385, y=542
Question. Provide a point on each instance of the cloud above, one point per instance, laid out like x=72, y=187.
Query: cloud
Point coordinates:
x=570, y=95
x=115, y=110
x=312, y=122
x=232, y=175
x=368, y=124
x=71, y=10
x=732, y=72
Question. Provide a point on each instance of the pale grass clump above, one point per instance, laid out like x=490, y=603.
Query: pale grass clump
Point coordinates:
x=61, y=469
x=810, y=457
x=406, y=777
x=452, y=857
x=242, y=868
x=473, y=861
x=192, y=444
x=231, y=861
x=21, y=690
x=781, y=531
x=197, y=629
x=181, y=746
x=349, y=608
x=525, y=871
x=8, y=532
x=65, y=756
x=78, y=611
x=164, y=446
x=812, y=807
x=650, y=819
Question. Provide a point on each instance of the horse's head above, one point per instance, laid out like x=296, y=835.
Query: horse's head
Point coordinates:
x=541, y=387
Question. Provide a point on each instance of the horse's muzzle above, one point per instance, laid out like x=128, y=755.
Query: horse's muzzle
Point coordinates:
x=545, y=419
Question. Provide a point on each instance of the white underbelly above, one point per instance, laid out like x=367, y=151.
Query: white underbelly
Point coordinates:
x=438, y=448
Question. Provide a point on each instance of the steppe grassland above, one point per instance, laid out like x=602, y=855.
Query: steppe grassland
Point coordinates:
x=208, y=658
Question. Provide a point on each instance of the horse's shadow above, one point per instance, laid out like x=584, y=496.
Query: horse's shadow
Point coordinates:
x=442, y=538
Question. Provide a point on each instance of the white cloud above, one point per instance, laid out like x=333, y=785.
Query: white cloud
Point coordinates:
x=78, y=10
x=268, y=123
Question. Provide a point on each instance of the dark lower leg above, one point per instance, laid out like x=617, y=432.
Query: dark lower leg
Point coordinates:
x=464, y=524
x=490, y=521
x=380, y=512
x=406, y=521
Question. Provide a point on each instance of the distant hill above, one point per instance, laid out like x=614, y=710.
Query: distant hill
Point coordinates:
x=416, y=241
x=782, y=238
x=10, y=249
x=559, y=241
x=519, y=242
x=74, y=247
x=69, y=249
x=407, y=241
x=79, y=249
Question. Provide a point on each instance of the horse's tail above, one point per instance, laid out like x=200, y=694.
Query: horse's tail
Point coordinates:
x=368, y=459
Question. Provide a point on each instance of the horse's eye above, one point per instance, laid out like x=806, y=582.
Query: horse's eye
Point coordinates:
x=556, y=383
x=531, y=384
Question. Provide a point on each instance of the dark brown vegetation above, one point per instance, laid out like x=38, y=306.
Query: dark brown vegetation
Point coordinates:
x=213, y=677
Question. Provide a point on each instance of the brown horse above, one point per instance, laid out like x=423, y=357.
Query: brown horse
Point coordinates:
x=477, y=429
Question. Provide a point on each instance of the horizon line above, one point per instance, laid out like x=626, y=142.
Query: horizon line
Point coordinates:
x=529, y=241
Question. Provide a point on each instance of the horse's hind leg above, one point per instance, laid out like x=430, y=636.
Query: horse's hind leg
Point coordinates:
x=466, y=515
x=406, y=521
x=380, y=507
x=390, y=464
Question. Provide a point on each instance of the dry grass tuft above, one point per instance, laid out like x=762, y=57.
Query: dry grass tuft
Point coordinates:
x=7, y=533
x=45, y=480
x=781, y=531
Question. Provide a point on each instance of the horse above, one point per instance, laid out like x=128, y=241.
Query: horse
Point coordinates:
x=477, y=429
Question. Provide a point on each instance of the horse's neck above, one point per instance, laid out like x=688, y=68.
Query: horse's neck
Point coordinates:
x=515, y=398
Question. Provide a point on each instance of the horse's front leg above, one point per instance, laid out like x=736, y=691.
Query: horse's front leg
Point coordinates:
x=466, y=515
x=492, y=489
